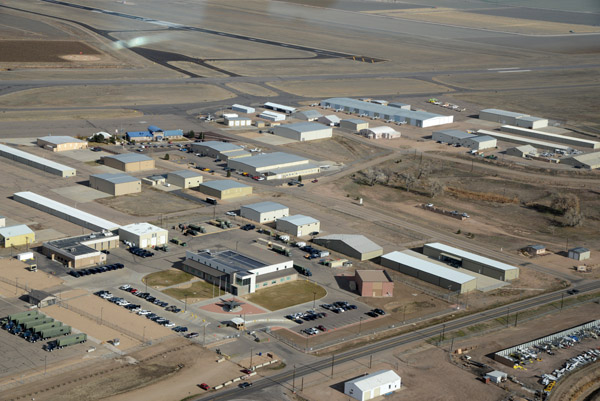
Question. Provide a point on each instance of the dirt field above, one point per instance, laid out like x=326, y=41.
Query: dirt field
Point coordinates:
x=18, y=272
x=251, y=89
x=26, y=51
x=339, y=149
x=147, y=203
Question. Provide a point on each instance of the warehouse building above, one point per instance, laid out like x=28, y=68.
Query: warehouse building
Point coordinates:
x=308, y=131
x=471, y=141
x=144, y=235
x=61, y=143
x=237, y=121
x=589, y=161
x=429, y=272
x=225, y=189
x=546, y=136
x=373, y=283
x=36, y=162
x=16, y=236
x=272, y=116
x=393, y=114
x=481, y=142
x=354, y=124
x=116, y=184
x=64, y=212
x=129, y=162
x=298, y=225
x=522, y=151
x=239, y=273
x=279, y=107
x=373, y=385
x=523, y=140
x=243, y=109
x=330, y=120
x=274, y=166
x=2, y=221
x=355, y=246
x=470, y=261
x=404, y=106
x=307, y=115
x=579, y=253
x=512, y=118
x=184, y=178
x=264, y=212
x=219, y=150
x=380, y=133
x=81, y=251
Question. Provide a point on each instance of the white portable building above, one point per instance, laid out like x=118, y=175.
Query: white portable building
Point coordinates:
x=374, y=385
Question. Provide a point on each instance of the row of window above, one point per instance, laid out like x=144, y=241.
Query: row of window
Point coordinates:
x=274, y=282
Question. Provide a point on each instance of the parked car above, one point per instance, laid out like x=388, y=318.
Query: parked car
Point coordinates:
x=379, y=311
x=204, y=386
x=245, y=385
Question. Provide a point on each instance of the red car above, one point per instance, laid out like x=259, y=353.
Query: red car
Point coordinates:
x=322, y=328
x=315, y=180
x=246, y=371
x=204, y=386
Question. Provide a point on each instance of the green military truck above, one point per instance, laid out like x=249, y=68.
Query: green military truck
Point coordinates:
x=55, y=332
x=18, y=318
x=39, y=322
x=66, y=341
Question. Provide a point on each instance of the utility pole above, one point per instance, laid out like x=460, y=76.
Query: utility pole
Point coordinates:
x=516, y=318
x=185, y=307
x=251, y=353
x=562, y=299
x=204, y=338
x=360, y=325
x=443, y=332
x=332, y=364
x=314, y=299
x=370, y=361
x=404, y=315
x=294, y=380
x=101, y=311
x=507, y=312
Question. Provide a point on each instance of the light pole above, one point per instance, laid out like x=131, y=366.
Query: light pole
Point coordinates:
x=144, y=335
x=45, y=364
x=185, y=306
x=101, y=312
x=507, y=313
x=314, y=299
x=294, y=380
x=404, y=315
x=251, y=353
x=360, y=325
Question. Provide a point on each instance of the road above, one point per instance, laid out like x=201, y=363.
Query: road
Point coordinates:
x=385, y=345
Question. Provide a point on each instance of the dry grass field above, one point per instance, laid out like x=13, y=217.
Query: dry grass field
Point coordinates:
x=284, y=295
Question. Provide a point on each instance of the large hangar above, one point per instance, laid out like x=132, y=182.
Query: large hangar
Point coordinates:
x=305, y=131
x=429, y=272
x=264, y=212
x=470, y=261
x=225, y=189
x=64, y=212
x=219, y=150
x=355, y=246
x=417, y=118
x=37, y=162
x=513, y=118
x=589, y=161
x=568, y=140
x=61, y=143
x=184, y=178
x=501, y=136
x=116, y=184
x=129, y=162
x=274, y=166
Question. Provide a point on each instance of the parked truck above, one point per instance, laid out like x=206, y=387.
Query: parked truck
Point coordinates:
x=303, y=270
x=31, y=319
x=39, y=329
x=15, y=317
x=34, y=323
x=55, y=332
x=65, y=341
x=280, y=249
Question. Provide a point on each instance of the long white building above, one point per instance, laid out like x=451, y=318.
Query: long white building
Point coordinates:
x=37, y=162
x=305, y=131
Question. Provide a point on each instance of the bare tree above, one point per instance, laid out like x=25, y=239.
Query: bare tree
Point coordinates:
x=573, y=218
x=563, y=202
x=436, y=188
x=424, y=169
x=409, y=180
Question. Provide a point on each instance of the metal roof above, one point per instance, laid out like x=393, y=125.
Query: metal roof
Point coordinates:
x=471, y=256
x=428, y=267
x=154, y=128
x=579, y=249
x=141, y=228
x=138, y=134
x=382, y=110
x=13, y=231
x=360, y=243
x=520, y=139
x=381, y=130
x=223, y=185
x=76, y=245
x=356, y=121
x=372, y=275
x=272, y=105
x=270, y=159
x=504, y=113
x=116, y=178
x=483, y=138
x=299, y=220
x=375, y=380
x=588, y=158
x=308, y=113
x=537, y=247
x=99, y=223
x=173, y=132
x=58, y=140
x=289, y=169
x=186, y=173
x=265, y=207
x=304, y=127
x=219, y=146
x=397, y=104
x=546, y=134
x=230, y=259
x=35, y=159
x=129, y=157
x=532, y=118
x=455, y=133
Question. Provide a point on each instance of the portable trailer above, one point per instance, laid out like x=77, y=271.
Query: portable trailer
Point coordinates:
x=66, y=341
x=51, y=325
x=34, y=323
x=55, y=332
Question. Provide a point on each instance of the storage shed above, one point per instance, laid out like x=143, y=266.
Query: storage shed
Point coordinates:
x=355, y=246
x=298, y=225
x=354, y=124
x=273, y=166
x=129, y=162
x=373, y=385
x=41, y=299
x=480, y=142
x=535, y=249
x=225, y=189
x=305, y=131
x=116, y=184
x=61, y=143
x=579, y=253
x=382, y=132
x=16, y=236
x=144, y=235
x=264, y=212
x=272, y=116
x=237, y=121
x=496, y=376
x=184, y=178
x=374, y=283
x=37, y=162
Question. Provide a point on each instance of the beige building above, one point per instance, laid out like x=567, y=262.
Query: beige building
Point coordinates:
x=264, y=212
x=354, y=124
x=129, y=162
x=275, y=166
x=16, y=236
x=304, y=131
x=81, y=251
x=144, y=235
x=298, y=225
x=225, y=189
x=184, y=178
x=353, y=245
x=219, y=150
x=61, y=143
x=116, y=184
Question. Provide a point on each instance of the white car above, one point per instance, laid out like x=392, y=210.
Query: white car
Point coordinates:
x=230, y=214
x=144, y=312
x=125, y=286
x=107, y=295
x=171, y=324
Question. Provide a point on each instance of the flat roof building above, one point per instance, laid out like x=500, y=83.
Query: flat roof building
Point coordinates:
x=382, y=132
x=225, y=189
x=61, y=143
x=512, y=118
x=373, y=385
x=355, y=246
x=298, y=225
x=273, y=166
x=16, y=236
x=579, y=253
x=239, y=273
x=373, y=283
x=522, y=140
x=184, y=178
x=129, y=162
x=354, y=124
x=81, y=251
x=243, y=109
x=116, y=184
x=589, y=161
x=546, y=136
x=306, y=131
x=144, y=235
x=470, y=261
x=429, y=272
x=264, y=212
x=36, y=162
x=64, y=212
x=237, y=121
x=417, y=118
x=280, y=107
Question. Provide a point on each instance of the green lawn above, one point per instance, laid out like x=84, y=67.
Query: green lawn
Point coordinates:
x=198, y=289
x=167, y=278
x=288, y=294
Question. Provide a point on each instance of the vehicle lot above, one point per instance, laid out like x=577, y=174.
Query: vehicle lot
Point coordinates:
x=329, y=316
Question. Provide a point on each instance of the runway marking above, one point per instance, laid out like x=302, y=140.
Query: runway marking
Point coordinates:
x=503, y=68
x=501, y=72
